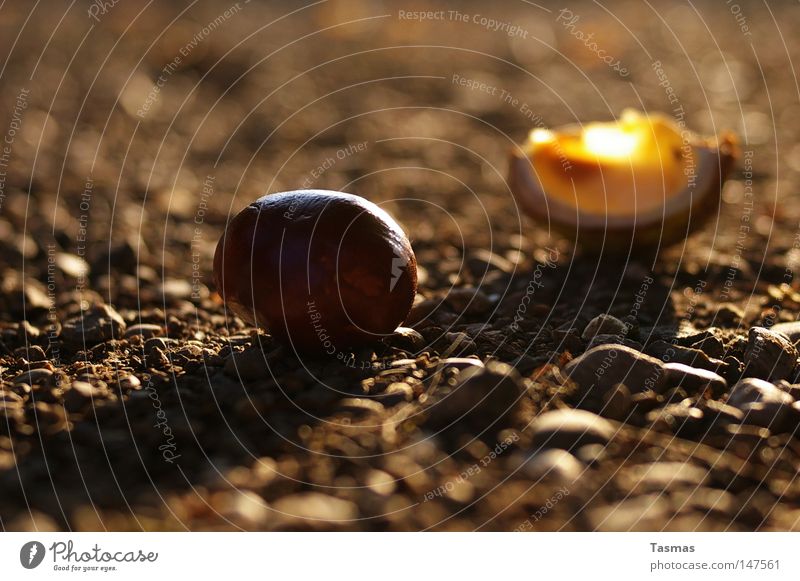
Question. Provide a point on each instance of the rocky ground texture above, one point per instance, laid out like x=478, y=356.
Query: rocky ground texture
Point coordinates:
x=533, y=387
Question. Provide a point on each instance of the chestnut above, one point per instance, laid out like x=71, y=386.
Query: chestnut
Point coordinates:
x=637, y=183
x=321, y=271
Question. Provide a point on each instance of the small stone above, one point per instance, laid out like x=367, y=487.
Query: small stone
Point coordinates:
x=32, y=353
x=790, y=330
x=693, y=379
x=604, y=325
x=79, y=394
x=360, y=405
x=718, y=413
x=678, y=418
x=592, y=454
x=97, y=324
x=174, y=289
x=396, y=393
x=72, y=266
x=407, y=339
x=617, y=403
x=460, y=363
x=154, y=343
x=570, y=429
x=129, y=382
x=752, y=390
x=777, y=417
x=646, y=401
x=711, y=346
x=380, y=482
x=769, y=355
x=607, y=365
x=764, y=405
x=554, y=464
x=672, y=353
x=790, y=388
x=482, y=261
x=483, y=395
x=612, y=339
x=144, y=330
x=33, y=377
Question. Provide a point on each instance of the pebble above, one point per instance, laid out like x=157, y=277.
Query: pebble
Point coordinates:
x=604, y=325
x=554, y=464
x=460, y=362
x=31, y=353
x=719, y=413
x=407, y=339
x=617, y=403
x=751, y=390
x=359, y=405
x=711, y=346
x=97, y=324
x=677, y=418
x=570, y=429
x=764, y=405
x=33, y=377
x=129, y=382
x=481, y=260
x=792, y=389
x=176, y=289
x=483, y=394
x=769, y=355
x=72, y=266
x=315, y=506
x=694, y=380
x=604, y=366
x=144, y=330
x=612, y=339
x=790, y=330
x=155, y=343
x=396, y=393
x=672, y=353
x=79, y=394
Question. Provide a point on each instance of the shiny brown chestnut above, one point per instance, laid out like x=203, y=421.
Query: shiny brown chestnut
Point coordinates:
x=638, y=183
x=322, y=271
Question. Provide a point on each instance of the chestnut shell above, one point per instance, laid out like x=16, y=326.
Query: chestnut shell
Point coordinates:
x=680, y=215
x=320, y=270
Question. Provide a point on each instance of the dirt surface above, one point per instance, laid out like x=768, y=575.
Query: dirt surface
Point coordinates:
x=131, y=401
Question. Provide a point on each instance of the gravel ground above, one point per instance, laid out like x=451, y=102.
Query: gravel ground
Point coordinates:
x=533, y=388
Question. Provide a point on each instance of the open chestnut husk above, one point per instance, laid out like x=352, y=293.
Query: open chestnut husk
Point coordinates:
x=638, y=183
x=322, y=271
